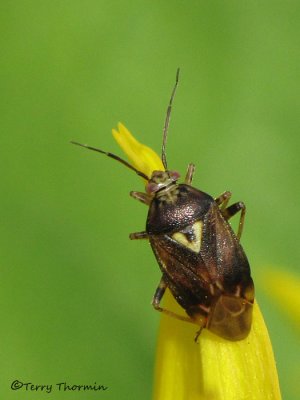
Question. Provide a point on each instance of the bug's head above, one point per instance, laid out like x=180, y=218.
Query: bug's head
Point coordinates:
x=160, y=180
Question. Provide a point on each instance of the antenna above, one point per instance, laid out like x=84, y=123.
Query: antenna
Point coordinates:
x=167, y=121
x=111, y=155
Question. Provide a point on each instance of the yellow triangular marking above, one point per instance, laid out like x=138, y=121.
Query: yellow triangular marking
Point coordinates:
x=193, y=245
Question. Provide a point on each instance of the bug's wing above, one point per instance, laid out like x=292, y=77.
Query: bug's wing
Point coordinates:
x=184, y=271
x=221, y=249
x=213, y=258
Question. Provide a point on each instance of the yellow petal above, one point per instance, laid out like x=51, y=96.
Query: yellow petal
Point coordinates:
x=142, y=157
x=284, y=288
x=215, y=368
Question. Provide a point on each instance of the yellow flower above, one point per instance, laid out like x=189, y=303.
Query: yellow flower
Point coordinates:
x=214, y=368
x=141, y=157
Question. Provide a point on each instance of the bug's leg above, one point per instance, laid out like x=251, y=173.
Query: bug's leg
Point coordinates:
x=232, y=210
x=198, y=334
x=158, y=295
x=189, y=174
x=138, y=235
x=142, y=197
x=223, y=199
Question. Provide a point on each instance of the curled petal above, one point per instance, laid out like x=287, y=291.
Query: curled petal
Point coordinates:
x=142, y=157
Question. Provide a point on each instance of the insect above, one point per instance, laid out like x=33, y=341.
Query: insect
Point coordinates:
x=201, y=259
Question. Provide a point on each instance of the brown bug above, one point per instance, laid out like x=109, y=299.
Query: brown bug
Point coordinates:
x=200, y=257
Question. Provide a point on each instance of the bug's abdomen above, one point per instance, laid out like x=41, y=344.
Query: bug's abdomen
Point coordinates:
x=229, y=317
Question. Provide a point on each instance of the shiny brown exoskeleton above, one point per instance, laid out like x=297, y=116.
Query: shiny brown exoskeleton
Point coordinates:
x=200, y=257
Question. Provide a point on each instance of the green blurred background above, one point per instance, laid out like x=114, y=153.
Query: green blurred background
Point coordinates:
x=75, y=292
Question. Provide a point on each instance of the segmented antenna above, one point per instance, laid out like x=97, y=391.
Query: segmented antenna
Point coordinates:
x=111, y=155
x=167, y=121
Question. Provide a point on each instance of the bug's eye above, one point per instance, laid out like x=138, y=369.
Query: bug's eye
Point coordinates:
x=174, y=175
x=152, y=187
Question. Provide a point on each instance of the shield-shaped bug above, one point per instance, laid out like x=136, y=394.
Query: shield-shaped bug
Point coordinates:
x=200, y=257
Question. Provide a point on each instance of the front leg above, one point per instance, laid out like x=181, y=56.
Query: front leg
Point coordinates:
x=142, y=197
x=189, y=174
